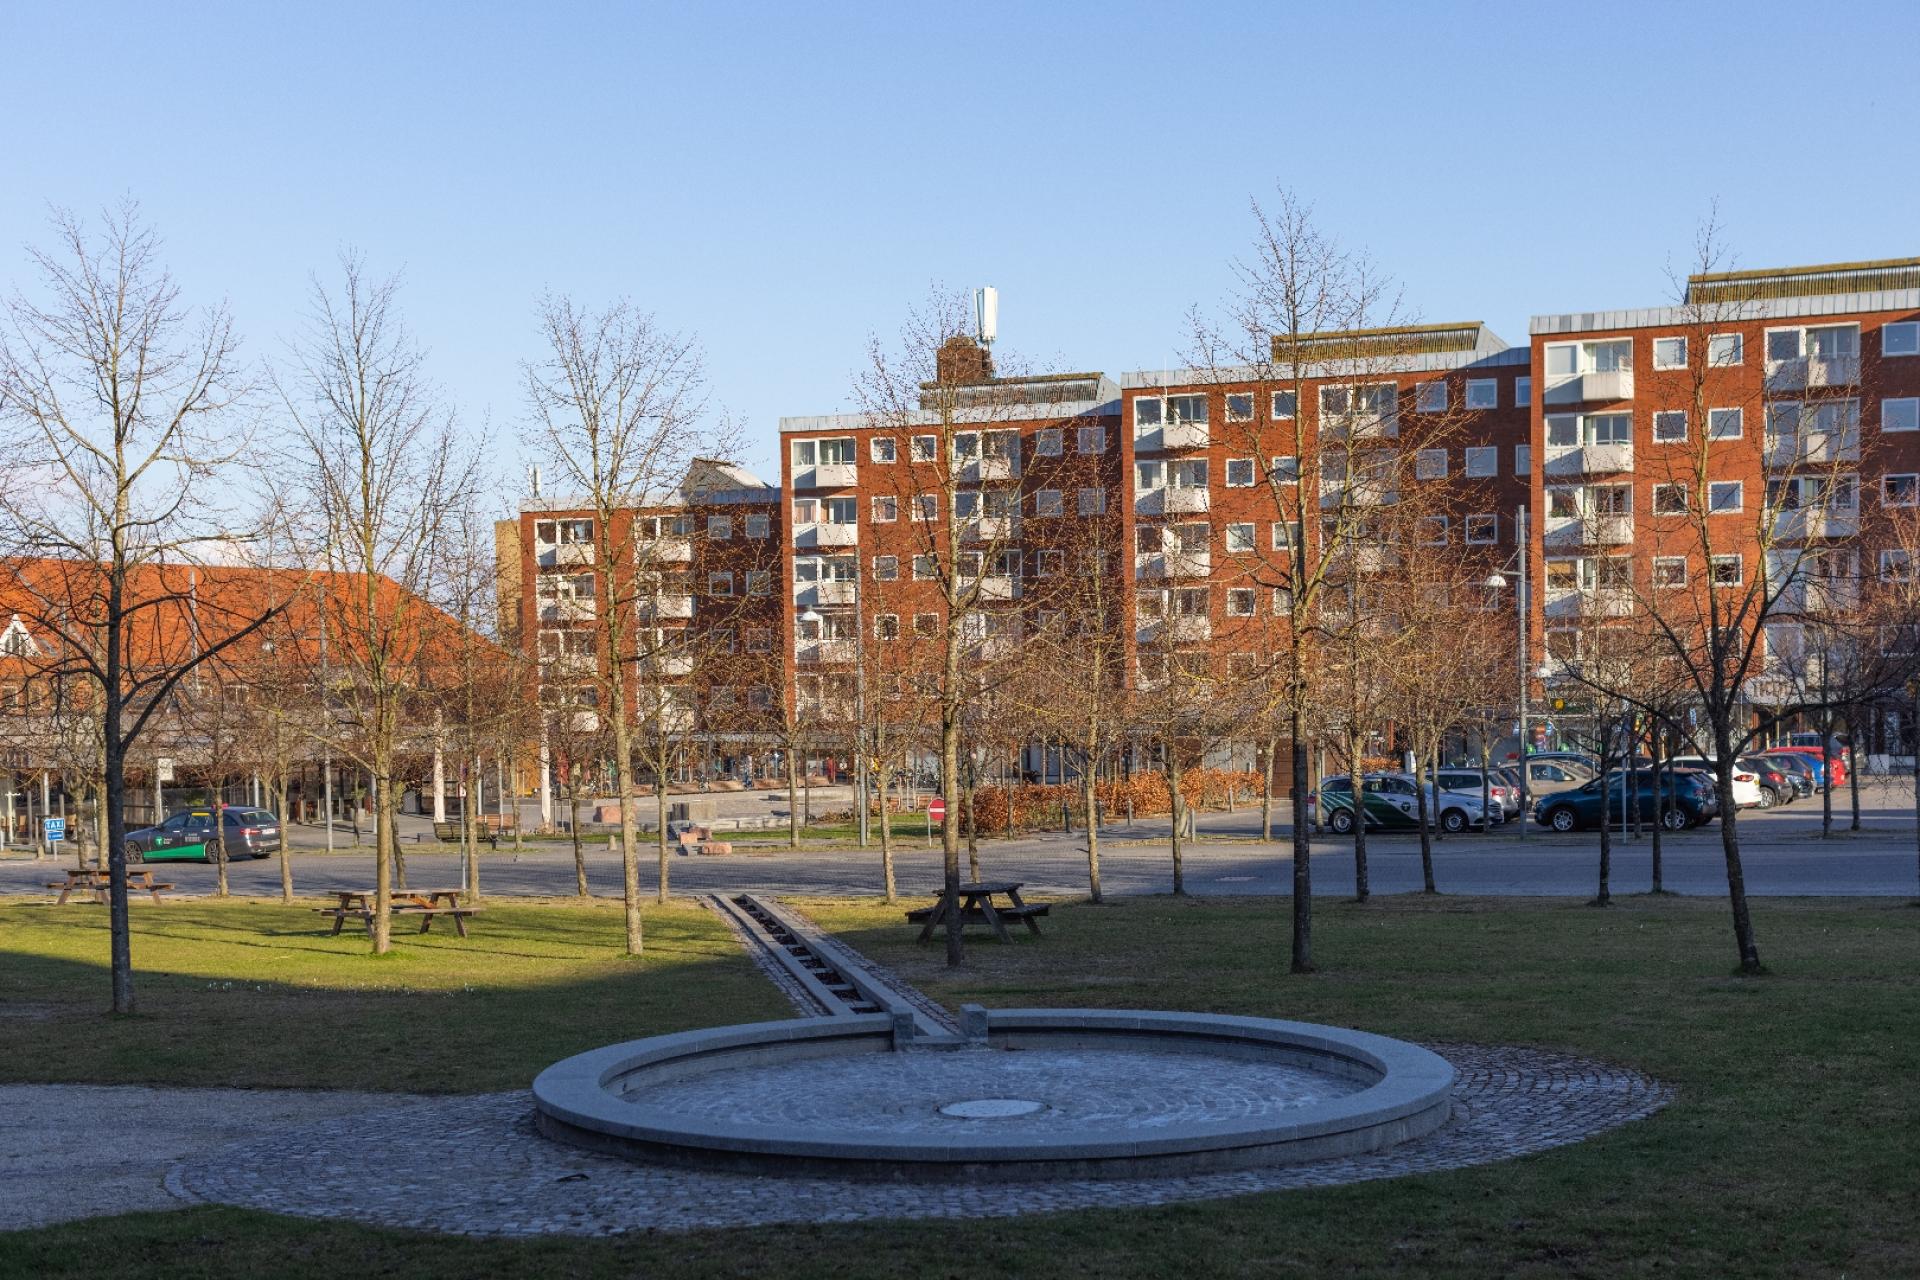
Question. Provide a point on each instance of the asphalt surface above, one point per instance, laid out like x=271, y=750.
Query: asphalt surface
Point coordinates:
x=1782, y=851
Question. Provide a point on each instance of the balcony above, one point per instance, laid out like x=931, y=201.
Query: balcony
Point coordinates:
x=826, y=475
x=1358, y=493
x=671, y=664
x=991, y=529
x=997, y=648
x=825, y=535
x=1361, y=425
x=819, y=593
x=663, y=551
x=1174, y=630
x=1590, y=388
x=1812, y=372
x=1819, y=595
x=1586, y=460
x=566, y=610
x=1173, y=564
x=1815, y=448
x=585, y=722
x=1172, y=436
x=1596, y=602
x=996, y=587
x=998, y=467
x=565, y=555
x=1595, y=531
x=821, y=651
x=1167, y=502
x=652, y=608
x=1805, y=523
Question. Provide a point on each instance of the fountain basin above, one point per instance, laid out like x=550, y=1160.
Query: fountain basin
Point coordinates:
x=1033, y=1093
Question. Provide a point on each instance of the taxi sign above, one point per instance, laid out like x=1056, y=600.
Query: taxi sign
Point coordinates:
x=55, y=829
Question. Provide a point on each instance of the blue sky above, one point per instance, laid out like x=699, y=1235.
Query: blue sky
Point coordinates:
x=785, y=181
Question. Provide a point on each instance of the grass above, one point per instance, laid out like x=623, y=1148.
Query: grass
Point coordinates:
x=257, y=994
x=1788, y=1152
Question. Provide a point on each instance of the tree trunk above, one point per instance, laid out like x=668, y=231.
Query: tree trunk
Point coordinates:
x=973, y=831
x=1089, y=795
x=1361, y=890
x=949, y=829
x=1267, y=749
x=793, y=800
x=660, y=816
x=1427, y=820
x=470, y=829
x=1301, y=960
x=573, y=825
x=1853, y=772
x=1826, y=765
x=629, y=830
x=219, y=838
x=886, y=838
x=1660, y=801
x=121, y=939
x=1730, y=846
x=1178, y=805
x=382, y=866
x=286, y=862
x=1425, y=815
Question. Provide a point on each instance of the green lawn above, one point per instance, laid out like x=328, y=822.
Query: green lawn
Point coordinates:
x=254, y=993
x=1793, y=1148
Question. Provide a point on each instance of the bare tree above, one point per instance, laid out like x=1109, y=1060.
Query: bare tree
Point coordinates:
x=383, y=469
x=119, y=408
x=616, y=402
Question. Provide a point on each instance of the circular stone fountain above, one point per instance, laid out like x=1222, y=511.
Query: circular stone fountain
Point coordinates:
x=1027, y=1093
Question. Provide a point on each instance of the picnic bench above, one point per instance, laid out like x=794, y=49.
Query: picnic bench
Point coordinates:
x=98, y=883
x=976, y=903
x=490, y=827
x=357, y=904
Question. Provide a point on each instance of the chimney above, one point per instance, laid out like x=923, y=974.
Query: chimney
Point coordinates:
x=963, y=362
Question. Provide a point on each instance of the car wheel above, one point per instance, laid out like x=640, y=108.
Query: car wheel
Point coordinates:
x=1766, y=799
x=1341, y=821
x=1561, y=820
x=1674, y=820
x=135, y=853
x=1453, y=821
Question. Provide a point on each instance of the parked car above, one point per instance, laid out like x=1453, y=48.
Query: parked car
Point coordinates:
x=1550, y=776
x=1746, y=783
x=1687, y=797
x=1800, y=769
x=1580, y=758
x=250, y=833
x=1776, y=788
x=1498, y=788
x=1391, y=803
x=1832, y=765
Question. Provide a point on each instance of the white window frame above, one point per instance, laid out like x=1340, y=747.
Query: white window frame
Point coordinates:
x=1091, y=501
x=1285, y=405
x=1660, y=489
x=1435, y=531
x=1911, y=330
x=1486, y=520
x=1663, y=339
x=759, y=583
x=1049, y=442
x=883, y=508
x=1482, y=462
x=1430, y=397
x=1716, y=348
x=883, y=623
x=1247, y=465
x=1908, y=408
x=1248, y=595
x=1153, y=421
x=1668, y=562
x=1096, y=434
x=1912, y=501
x=1523, y=460
x=1289, y=473
x=1738, y=561
x=1900, y=556
x=930, y=563
x=884, y=450
x=717, y=577
x=1669, y=414
x=1523, y=391
x=1049, y=502
x=759, y=526
x=719, y=528
x=1239, y=538
x=923, y=448
x=1430, y=464
x=1283, y=540
x=1228, y=411
x=1739, y=420
x=925, y=509
x=1483, y=393
x=1714, y=508
x=892, y=571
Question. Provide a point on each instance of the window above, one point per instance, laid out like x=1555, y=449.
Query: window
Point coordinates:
x=759, y=639
x=1896, y=566
x=1047, y=442
x=1092, y=502
x=1430, y=397
x=1240, y=407
x=1240, y=602
x=923, y=568
x=1286, y=404
x=1669, y=571
x=1286, y=535
x=806, y=510
x=885, y=509
x=720, y=528
x=886, y=626
x=1523, y=460
x=1240, y=537
x=1483, y=531
x=1187, y=408
x=966, y=504
x=1430, y=464
x=1669, y=353
x=1091, y=440
x=1148, y=412
x=966, y=447
x=1900, y=415
x=1049, y=564
x=1723, y=497
x=1286, y=470
x=1725, y=350
x=805, y=453
x=720, y=583
x=926, y=507
x=1901, y=489
x=1670, y=426
x=886, y=568
x=1433, y=531
x=1726, y=571
x=1725, y=424
x=1523, y=392
x=1570, y=430
x=1048, y=502
x=1565, y=359
x=1483, y=393
x=924, y=448
x=1149, y=475
x=1669, y=500
x=758, y=526
x=1901, y=339
x=1239, y=473
x=759, y=582
x=1188, y=474
x=926, y=625
x=883, y=448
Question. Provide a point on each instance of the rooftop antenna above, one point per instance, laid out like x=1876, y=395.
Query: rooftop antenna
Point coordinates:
x=986, y=314
x=533, y=475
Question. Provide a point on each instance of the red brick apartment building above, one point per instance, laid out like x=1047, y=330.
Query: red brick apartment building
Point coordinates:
x=699, y=569
x=1784, y=403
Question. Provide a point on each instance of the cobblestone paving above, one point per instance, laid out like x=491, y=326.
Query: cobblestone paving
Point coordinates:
x=1081, y=1091
x=475, y=1166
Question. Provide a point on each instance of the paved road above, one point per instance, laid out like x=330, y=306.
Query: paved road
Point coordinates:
x=1783, y=854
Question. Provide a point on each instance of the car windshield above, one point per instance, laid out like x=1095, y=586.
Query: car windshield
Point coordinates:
x=249, y=818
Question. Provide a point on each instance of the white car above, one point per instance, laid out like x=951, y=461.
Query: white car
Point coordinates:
x=1746, y=783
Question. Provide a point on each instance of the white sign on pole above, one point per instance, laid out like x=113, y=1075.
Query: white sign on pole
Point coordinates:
x=164, y=765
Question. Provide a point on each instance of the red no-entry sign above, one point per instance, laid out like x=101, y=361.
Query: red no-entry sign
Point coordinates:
x=936, y=810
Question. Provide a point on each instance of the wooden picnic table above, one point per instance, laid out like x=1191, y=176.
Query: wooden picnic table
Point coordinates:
x=976, y=902
x=425, y=903
x=98, y=883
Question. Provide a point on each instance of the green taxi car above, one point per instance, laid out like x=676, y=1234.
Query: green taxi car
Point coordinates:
x=1391, y=804
x=250, y=833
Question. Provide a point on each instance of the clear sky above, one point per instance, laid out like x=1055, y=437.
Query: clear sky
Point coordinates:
x=786, y=180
